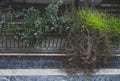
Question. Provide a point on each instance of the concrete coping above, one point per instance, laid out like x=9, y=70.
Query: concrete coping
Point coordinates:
x=43, y=54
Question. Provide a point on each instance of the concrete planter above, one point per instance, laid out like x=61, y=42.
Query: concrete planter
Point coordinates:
x=53, y=43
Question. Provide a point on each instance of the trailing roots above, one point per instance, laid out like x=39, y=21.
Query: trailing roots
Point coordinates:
x=87, y=48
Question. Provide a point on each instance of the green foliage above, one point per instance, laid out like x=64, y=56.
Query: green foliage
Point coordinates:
x=114, y=24
x=29, y=35
x=54, y=23
x=8, y=17
x=33, y=28
x=93, y=18
x=90, y=18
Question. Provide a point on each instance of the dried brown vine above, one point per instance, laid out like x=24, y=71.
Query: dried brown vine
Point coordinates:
x=88, y=49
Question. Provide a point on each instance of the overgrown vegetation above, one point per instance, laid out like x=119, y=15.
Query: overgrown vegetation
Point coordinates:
x=90, y=32
x=34, y=27
x=114, y=24
x=88, y=38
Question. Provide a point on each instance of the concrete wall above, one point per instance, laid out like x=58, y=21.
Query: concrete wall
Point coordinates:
x=7, y=2
x=40, y=1
x=92, y=2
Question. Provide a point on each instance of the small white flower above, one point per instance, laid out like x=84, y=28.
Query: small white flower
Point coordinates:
x=35, y=34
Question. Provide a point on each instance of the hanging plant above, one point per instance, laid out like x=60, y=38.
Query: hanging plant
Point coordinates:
x=89, y=39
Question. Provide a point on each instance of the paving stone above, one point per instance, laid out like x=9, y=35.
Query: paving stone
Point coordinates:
x=61, y=78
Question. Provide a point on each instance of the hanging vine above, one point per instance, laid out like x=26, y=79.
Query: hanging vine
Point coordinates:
x=89, y=42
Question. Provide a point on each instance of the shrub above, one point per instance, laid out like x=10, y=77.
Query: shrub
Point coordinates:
x=54, y=23
x=114, y=24
x=30, y=31
x=94, y=18
x=34, y=26
x=89, y=38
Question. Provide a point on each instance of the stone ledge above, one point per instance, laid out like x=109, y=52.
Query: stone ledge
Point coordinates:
x=44, y=54
x=31, y=54
x=46, y=72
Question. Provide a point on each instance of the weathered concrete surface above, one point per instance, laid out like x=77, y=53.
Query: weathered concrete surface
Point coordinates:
x=17, y=62
x=53, y=72
x=20, y=68
x=44, y=62
x=60, y=78
x=40, y=1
